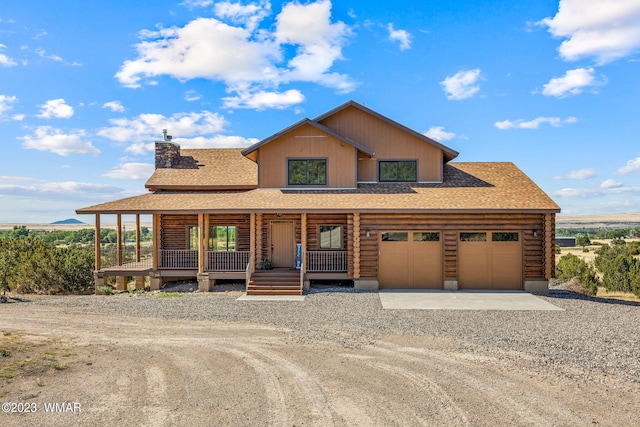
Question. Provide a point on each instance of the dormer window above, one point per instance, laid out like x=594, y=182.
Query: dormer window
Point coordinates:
x=398, y=170
x=307, y=172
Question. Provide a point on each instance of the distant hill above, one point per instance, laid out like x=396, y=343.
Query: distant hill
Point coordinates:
x=69, y=221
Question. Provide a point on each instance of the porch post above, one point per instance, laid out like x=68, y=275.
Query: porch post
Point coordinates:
x=252, y=240
x=303, y=232
x=97, y=244
x=200, y=243
x=137, y=237
x=356, y=246
x=156, y=240
x=205, y=241
x=119, y=239
x=258, y=238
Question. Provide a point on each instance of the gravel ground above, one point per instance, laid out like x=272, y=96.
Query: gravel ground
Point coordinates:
x=593, y=336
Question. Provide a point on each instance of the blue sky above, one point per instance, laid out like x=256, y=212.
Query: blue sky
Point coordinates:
x=86, y=88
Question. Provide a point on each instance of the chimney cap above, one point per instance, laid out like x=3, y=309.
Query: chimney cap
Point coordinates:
x=166, y=137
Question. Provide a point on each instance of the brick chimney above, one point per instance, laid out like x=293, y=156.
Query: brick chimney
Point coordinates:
x=167, y=152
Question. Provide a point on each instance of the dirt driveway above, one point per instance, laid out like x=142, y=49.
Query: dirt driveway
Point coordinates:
x=153, y=371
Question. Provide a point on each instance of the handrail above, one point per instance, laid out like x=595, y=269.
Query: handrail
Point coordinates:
x=247, y=272
x=301, y=276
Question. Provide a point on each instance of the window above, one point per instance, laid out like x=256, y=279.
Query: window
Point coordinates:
x=330, y=237
x=426, y=237
x=473, y=237
x=394, y=236
x=504, y=237
x=307, y=172
x=398, y=171
x=193, y=237
x=221, y=238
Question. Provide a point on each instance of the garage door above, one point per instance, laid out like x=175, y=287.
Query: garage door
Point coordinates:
x=410, y=260
x=490, y=260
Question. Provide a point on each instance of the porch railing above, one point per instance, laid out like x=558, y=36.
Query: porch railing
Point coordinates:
x=227, y=261
x=178, y=259
x=109, y=257
x=326, y=260
x=214, y=261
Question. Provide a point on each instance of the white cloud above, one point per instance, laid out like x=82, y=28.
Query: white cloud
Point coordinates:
x=147, y=127
x=59, y=190
x=5, y=60
x=56, y=108
x=115, y=106
x=631, y=166
x=243, y=56
x=439, y=134
x=572, y=83
x=262, y=100
x=192, y=95
x=43, y=54
x=18, y=117
x=610, y=183
x=582, y=174
x=535, y=123
x=462, y=85
x=46, y=138
x=133, y=171
x=197, y=3
x=6, y=104
x=401, y=36
x=595, y=192
x=217, y=141
x=249, y=15
x=602, y=29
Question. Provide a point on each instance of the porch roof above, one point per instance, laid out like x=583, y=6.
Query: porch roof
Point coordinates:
x=238, y=172
x=468, y=187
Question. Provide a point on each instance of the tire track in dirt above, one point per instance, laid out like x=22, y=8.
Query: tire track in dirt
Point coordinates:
x=446, y=410
x=155, y=409
x=312, y=392
x=474, y=377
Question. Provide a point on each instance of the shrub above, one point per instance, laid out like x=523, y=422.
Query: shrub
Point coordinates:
x=106, y=290
x=572, y=267
x=620, y=270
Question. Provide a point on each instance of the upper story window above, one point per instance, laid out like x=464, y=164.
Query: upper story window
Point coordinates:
x=307, y=172
x=398, y=170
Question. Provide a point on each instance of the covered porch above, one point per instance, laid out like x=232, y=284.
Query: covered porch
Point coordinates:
x=318, y=246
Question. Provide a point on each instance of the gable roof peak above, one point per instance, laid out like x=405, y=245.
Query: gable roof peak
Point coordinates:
x=449, y=154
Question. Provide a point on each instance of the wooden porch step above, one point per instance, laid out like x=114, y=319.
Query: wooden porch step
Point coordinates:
x=275, y=282
x=274, y=292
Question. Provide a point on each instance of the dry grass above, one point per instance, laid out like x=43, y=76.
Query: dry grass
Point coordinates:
x=29, y=356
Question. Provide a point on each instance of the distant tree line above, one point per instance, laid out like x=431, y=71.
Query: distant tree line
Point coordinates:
x=84, y=236
x=600, y=233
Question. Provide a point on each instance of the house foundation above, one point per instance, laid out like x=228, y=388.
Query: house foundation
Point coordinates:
x=537, y=286
x=450, y=285
x=205, y=282
x=366, y=284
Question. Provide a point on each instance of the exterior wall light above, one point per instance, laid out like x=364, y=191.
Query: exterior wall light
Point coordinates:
x=368, y=233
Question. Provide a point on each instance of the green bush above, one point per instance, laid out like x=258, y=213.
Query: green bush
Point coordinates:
x=620, y=270
x=29, y=265
x=572, y=267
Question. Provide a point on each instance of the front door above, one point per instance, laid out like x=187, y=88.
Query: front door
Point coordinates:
x=283, y=244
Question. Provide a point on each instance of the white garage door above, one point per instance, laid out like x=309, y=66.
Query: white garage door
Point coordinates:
x=490, y=260
x=410, y=260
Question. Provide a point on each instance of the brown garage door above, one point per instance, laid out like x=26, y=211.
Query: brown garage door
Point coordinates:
x=410, y=260
x=490, y=260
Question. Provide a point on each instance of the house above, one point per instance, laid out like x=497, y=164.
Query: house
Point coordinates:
x=566, y=242
x=349, y=195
